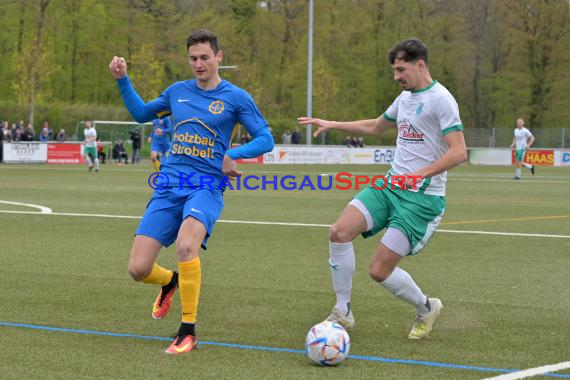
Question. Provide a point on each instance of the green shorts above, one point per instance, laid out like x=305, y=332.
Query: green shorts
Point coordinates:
x=90, y=151
x=416, y=215
x=520, y=154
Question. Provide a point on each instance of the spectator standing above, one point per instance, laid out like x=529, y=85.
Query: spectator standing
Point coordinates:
x=29, y=133
x=49, y=130
x=16, y=133
x=296, y=137
x=61, y=137
x=136, y=139
x=286, y=138
x=44, y=136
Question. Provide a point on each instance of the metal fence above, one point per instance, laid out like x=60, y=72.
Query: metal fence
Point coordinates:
x=503, y=137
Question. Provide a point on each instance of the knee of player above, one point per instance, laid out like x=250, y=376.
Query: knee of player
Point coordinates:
x=186, y=250
x=339, y=235
x=377, y=272
x=137, y=272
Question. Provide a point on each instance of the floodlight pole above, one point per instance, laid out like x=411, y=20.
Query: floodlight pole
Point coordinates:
x=310, y=74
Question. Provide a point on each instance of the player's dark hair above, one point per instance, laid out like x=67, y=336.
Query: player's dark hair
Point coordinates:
x=199, y=36
x=410, y=50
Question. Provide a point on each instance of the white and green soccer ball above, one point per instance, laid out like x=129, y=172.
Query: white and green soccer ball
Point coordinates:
x=327, y=343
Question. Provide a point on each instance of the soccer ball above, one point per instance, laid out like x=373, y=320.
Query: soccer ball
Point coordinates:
x=327, y=343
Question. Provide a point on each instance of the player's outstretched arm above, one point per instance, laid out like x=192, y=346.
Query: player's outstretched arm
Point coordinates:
x=359, y=127
x=139, y=110
x=118, y=67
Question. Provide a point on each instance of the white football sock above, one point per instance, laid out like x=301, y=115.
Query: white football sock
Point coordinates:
x=528, y=166
x=342, y=265
x=97, y=163
x=518, y=172
x=402, y=285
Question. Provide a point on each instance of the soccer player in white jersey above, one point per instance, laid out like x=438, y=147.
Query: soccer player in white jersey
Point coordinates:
x=430, y=142
x=90, y=146
x=522, y=140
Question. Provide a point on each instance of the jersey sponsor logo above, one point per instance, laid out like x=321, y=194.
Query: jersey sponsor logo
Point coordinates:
x=407, y=132
x=216, y=107
x=193, y=151
x=193, y=139
x=420, y=109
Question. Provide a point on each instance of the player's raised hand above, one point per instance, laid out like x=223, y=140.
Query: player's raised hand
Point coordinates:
x=322, y=125
x=229, y=168
x=118, y=67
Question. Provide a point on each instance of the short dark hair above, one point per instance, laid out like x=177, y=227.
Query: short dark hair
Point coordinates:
x=198, y=36
x=410, y=50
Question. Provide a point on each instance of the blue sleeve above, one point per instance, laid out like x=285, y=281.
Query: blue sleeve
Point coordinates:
x=262, y=143
x=250, y=117
x=141, y=111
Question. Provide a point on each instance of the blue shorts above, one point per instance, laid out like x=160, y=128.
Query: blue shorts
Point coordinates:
x=167, y=209
x=159, y=147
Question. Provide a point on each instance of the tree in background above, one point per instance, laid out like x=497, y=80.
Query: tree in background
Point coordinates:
x=34, y=67
x=147, y=72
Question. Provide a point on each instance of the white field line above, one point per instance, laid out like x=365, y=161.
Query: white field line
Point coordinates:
x=531, y=372
x=43, y=210
x=281, y=224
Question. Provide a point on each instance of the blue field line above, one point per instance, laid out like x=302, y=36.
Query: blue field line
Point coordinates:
x=277, y=349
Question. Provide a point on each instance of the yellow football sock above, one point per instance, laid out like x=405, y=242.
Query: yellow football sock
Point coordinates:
x=189, y=282
x=156, y=164
x=158, y=275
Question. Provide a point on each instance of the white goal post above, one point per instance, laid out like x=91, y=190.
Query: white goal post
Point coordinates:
x=111, y=130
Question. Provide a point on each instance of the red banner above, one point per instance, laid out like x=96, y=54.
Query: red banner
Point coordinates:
x=256, y=160
x=537, y=157
x=65, y=154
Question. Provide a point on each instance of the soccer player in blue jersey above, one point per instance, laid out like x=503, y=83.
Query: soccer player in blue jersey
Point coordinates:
x=159, y=139
x=205, y=111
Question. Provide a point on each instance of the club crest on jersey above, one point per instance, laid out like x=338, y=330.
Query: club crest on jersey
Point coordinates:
x=420, y=109
x=216, y=107
x=406, y=131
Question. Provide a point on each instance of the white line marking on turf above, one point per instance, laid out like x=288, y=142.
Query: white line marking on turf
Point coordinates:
x=71, y=214
x=503, y=233
x=43, y=210
x=531, y=372
x=281, y=224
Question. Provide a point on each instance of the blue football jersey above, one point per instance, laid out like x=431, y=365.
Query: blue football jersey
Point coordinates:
x=165, y=126
x=203, y=125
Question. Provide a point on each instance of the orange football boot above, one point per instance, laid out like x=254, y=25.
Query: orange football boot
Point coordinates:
x=182, y=344
x=163, y=302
